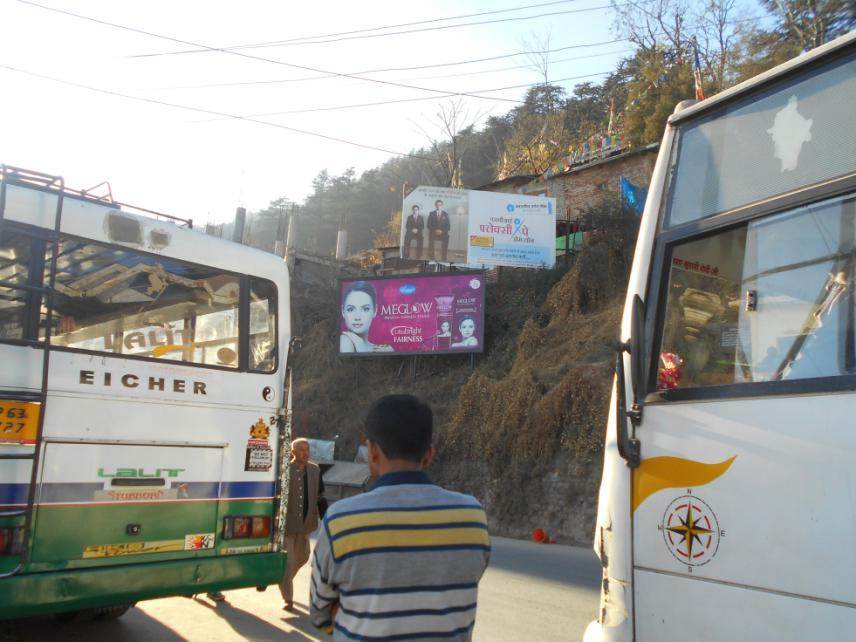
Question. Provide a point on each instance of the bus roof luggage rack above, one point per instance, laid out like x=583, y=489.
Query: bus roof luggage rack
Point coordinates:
x=54, y=183
x=18, y=176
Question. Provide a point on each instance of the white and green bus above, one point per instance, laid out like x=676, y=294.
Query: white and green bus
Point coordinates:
x=142, y=405
x=727, y=509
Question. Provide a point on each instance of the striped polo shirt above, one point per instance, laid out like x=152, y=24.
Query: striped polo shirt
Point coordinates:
x=402, y=562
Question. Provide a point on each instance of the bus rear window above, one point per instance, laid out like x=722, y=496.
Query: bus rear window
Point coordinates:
x=769, y=301
x=262, y=325
x=118, y=301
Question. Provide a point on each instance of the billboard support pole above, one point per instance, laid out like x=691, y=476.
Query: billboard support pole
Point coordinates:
x=472, y=361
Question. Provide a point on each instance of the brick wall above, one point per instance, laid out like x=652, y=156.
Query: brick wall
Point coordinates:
x=584, y=186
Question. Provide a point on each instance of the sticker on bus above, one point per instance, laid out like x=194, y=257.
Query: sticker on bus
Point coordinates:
x=235, y=550
x=19, y=422
x=189, y=543
x=259, y=453
x=198, y=542
x=133, y=548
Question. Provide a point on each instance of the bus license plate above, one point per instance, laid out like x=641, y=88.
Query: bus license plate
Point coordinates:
x=19, y=422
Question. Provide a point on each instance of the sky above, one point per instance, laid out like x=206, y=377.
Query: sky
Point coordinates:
x=192, y=158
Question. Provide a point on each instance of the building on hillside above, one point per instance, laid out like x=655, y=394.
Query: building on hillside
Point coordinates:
x=581, y=186
x=510, y=184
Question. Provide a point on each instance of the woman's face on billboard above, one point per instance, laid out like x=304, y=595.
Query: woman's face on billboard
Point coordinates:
x=358, y=311
x=468, y=327
x=444, y=327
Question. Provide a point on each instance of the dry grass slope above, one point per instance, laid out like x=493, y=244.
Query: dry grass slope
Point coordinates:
x=524, y=429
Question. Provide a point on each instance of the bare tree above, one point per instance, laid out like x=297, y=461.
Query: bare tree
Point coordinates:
x=448, y=141
x=537, y=50
x=653, y=25
x=717, y=34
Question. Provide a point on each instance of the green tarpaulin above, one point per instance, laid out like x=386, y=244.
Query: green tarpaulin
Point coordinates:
x=574, y=240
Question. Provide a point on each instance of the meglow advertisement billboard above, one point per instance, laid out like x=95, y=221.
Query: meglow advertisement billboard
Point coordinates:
x=412, y=314
x=479, y=229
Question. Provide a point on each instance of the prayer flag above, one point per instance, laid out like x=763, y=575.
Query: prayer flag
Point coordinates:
x=699, y=90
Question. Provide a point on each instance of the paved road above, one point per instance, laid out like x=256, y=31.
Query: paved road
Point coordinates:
x=530, y=592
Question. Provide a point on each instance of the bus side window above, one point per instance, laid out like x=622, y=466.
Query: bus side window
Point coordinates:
x=772, y=300
x=14, y=268
x=263, y=331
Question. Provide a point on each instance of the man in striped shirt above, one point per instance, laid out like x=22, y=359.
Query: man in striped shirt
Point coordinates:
x=402, y=561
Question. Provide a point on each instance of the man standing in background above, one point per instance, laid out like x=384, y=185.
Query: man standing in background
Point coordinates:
x=402, y=561
x=413, y=227
x=305, y=491
x=438, y=230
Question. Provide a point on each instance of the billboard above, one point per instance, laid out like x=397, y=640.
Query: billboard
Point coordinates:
x=412, y=314
x=480, y=229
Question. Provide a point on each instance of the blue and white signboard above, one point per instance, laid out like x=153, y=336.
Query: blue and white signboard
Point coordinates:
x=479, y=229
x=512, y=230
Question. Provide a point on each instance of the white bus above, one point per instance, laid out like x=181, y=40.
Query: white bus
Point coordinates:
x=727, y=509
x=142, y=374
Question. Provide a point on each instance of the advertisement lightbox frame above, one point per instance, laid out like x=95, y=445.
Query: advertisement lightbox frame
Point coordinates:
x=418, y=275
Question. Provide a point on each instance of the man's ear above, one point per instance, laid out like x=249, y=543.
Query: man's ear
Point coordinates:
x=428, y=458
x=374, y=451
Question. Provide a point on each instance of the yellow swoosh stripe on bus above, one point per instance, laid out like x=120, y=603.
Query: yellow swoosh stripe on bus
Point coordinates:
x=658, y=473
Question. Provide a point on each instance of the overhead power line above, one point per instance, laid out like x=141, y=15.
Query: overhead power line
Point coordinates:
x=209, y=112
x=513, y=67
x=414, y=68
x=301, y=41
x=421, y=98
x=402, y=24
x=252, y=57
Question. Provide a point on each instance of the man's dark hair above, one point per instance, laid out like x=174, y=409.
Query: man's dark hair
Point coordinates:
x=402, y=426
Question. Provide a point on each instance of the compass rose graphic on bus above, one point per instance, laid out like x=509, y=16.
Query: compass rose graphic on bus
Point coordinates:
x=691, y=530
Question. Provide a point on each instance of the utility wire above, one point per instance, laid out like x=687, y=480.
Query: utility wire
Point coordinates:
x=289, y=43
x=512, y=68
x=421, y=98
x=256, y=58
x=415, y=68
x=403, y=24
x=209, y=112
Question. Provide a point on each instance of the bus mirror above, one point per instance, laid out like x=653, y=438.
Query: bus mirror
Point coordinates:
x=637, y=351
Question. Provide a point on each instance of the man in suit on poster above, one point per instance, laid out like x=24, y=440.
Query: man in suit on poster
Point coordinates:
x=438, y=230
x=413, y=227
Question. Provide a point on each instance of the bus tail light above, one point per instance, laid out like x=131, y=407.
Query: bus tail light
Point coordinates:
x=11, y=540
x=246, y=527
x=261, y=527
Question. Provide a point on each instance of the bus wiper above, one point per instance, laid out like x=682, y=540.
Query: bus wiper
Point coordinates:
x=837, y=283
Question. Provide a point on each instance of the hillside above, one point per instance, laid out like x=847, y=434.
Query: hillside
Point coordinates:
x=522, y=430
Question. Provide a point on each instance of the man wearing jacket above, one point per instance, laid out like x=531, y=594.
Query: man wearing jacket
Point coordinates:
x=413, y=231
x=438, y=230
x=305, y=488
